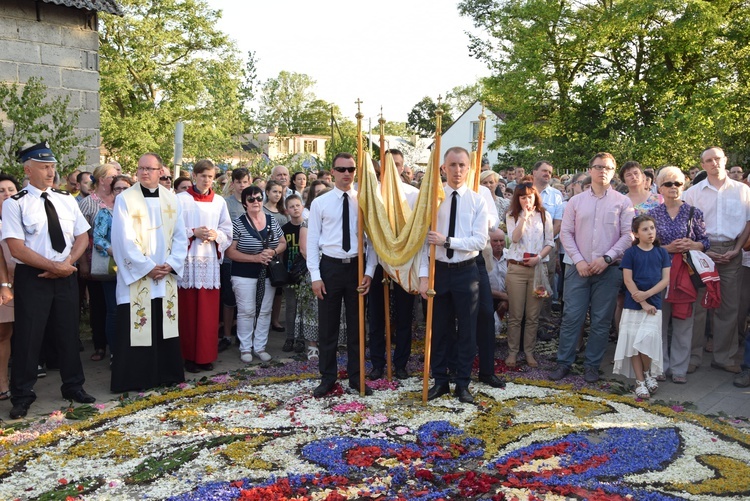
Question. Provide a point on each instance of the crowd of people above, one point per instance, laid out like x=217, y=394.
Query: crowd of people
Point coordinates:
x=174, y=269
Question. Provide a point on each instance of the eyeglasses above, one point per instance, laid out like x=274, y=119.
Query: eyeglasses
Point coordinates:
x=669, y=184
x=165, y=178
x=259, y=198
x=121, y=188
x=350, y=170
x=603, y=167
x=149, y=169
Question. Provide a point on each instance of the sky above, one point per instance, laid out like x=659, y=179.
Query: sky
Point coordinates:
x=388, y=53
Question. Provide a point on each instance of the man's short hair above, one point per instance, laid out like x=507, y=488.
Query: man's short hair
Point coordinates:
x=603, y=154
x=203, y=165
x=540, y=163
x=395, y=151
x=291, y=198
x=156, y=156
x=81, y=175
x=343, y=154
x=240, y=174
x=458, y=150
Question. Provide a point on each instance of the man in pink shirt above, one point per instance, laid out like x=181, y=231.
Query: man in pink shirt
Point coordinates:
x=595, y=233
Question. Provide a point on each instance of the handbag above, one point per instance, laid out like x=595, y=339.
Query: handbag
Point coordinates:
x=694, y=275
x=103, y=268
x=298, y=271
x=277, y=273
x=276, y=270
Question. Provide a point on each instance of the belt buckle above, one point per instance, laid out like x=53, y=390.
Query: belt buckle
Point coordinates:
x=346, y=260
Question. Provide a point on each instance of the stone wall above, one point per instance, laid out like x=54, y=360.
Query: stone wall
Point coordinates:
x=60, y=45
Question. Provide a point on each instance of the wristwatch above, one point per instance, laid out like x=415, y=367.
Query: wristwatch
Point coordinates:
x=447, y=243
x=6, y=284
x=607, y=259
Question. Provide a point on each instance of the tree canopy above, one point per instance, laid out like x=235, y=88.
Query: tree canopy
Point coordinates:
x=652, y=80
x=421, y=118
x=162, y=62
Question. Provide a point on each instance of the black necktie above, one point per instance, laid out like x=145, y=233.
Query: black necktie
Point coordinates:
x=452, y=225
x=346, y=243
x=53, y=224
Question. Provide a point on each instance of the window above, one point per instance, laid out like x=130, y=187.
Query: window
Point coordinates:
x=474, y=135
x=311, y=146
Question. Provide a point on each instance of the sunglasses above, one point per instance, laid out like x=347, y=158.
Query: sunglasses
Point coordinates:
x=669, y=184
x=350, y=170
x=259, y=198
x=167, y=178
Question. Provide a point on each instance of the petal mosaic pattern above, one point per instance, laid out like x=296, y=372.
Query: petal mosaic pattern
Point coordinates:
x=274, y=441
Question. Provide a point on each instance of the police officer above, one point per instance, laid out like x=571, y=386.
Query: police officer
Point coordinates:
x=46, y=233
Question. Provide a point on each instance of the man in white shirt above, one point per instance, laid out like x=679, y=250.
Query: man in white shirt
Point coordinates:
x=460, y=236
x=332, y=261
x=726, y=210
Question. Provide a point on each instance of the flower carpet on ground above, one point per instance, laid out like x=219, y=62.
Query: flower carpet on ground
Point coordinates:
x=268, y=438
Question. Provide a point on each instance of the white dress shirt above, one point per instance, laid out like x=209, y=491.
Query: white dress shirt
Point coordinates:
x=726, y=210
x=472, y=223
x=499, y=270
x=24, y=218
x=325, y=235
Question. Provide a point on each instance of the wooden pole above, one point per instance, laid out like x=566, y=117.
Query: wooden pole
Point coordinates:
x=360, y=255
x=386, y=278
x=431, y=275
x=480, y=144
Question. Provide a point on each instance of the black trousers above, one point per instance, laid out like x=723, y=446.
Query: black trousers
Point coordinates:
x=97, y=314
x=403, y=309
x=485, y=322
x=341, y=282
x=454, y=322
x=40, y=302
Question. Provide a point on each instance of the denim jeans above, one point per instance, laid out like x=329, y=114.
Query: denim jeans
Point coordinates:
x=599, y=292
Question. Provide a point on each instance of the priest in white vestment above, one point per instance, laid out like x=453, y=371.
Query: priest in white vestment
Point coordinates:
x=149, y=245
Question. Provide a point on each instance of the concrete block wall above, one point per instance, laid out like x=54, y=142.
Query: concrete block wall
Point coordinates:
x=60, y=45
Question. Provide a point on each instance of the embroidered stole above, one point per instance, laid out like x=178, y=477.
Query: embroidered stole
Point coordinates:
x=140, y=290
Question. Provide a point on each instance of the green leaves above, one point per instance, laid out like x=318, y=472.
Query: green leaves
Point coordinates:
x=651, y=80
x=164, y=62
x=33, y=117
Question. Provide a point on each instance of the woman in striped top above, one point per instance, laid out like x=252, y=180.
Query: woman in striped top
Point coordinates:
x=257, y=238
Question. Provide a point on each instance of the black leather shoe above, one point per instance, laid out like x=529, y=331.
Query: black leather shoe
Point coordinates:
x=464, y=395
x=224, y=344
x=20, y=410
x=492, y=380
x=191, y=367
x=354, y=385
x=323, y=388
x=438, y=391
x=205, y=367
x=375, y=373
x=80, y=396
x=401, y=373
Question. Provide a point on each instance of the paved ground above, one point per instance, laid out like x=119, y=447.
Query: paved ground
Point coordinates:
x=710, y=389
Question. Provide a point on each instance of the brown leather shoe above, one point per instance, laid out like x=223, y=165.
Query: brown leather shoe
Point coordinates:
x=692, y=368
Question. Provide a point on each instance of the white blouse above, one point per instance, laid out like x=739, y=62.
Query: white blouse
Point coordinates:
x=536, y=236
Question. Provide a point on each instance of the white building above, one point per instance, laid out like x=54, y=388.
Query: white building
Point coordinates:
x=464, y=132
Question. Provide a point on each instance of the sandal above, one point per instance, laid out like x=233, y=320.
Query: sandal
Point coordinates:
x=640, y=389
x=312, y=353
x=651, y=384
x=679, y=379
x=4, y=395
x=98, y=355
